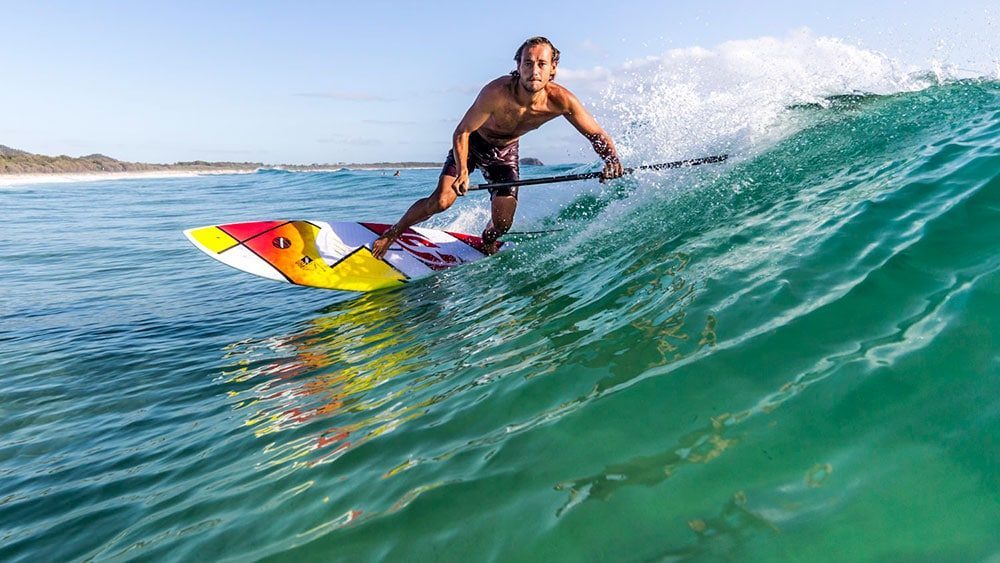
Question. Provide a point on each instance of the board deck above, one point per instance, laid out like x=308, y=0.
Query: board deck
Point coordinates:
x=334, y=255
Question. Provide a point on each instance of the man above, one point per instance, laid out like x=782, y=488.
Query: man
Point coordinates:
x=487, y=138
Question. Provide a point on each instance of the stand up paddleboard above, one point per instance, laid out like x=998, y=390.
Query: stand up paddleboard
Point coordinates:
x=334, y=255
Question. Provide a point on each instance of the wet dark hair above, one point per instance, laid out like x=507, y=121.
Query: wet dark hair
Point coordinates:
x=531, y=42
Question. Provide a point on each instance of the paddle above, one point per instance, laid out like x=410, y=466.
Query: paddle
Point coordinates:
x=589, y=175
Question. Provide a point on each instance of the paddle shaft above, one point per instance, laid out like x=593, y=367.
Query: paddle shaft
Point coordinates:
x=591, y=175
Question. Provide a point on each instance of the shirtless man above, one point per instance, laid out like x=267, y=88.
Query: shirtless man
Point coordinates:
x=487, y=136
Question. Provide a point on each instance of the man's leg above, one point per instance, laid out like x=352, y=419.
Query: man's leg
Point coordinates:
x=422, y=210
x=503, y=208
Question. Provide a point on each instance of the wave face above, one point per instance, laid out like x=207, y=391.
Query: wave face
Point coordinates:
x=793, y=354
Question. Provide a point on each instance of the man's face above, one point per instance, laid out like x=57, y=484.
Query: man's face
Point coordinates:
x=536, y=67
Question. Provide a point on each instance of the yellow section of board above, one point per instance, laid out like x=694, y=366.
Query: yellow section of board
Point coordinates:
x=291, y=248
x=363, y=272
x=213, y=238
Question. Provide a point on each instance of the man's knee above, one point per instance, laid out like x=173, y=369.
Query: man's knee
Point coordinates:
x=443, y=197
x=440, y=202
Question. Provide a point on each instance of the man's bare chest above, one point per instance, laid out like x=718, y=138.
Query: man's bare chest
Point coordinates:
x=515, y=120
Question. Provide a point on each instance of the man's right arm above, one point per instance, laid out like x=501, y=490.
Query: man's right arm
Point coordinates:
x=474, y=118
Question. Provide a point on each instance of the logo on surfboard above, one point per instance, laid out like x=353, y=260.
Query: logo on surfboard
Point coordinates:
x=420, y=247
x=427, y=252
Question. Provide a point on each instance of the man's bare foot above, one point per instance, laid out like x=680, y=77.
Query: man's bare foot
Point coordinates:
x=382, y=244
x=490, y=248
x=491, y=242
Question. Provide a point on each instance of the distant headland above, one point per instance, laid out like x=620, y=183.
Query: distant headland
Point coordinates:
x=14, y=161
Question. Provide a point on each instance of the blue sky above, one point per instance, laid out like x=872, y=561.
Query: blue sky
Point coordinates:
x=304, y=82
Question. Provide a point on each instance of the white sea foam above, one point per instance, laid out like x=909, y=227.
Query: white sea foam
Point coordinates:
x=732, y=98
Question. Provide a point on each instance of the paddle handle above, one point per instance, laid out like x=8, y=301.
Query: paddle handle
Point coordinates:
x=591, y=175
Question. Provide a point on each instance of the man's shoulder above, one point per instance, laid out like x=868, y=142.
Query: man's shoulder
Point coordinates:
x=499, y=85
x=560, y=95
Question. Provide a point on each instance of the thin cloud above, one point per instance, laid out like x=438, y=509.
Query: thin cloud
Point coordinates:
x=345, y=140
x=346, y=96
x=589, y=46
x=586, y=82
x=388, y=122
x=597, y=74
x=463, y=89
x=233, y=151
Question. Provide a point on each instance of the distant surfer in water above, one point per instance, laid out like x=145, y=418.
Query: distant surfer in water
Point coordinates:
x=487, y=138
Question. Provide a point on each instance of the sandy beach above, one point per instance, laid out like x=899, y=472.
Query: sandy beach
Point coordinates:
x=8, y=180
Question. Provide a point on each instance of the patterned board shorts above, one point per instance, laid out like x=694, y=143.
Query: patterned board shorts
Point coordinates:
x=499, y=164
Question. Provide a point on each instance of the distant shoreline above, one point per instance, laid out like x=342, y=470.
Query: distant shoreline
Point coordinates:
x=14, y=162
x=55, y=177
x=19, y=167
x=7, y=180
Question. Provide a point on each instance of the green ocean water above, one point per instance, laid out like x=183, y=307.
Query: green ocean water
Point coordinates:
x=791, y=356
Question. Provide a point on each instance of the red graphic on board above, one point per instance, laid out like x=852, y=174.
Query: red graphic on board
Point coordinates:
x=244, y=231
x=424, y=250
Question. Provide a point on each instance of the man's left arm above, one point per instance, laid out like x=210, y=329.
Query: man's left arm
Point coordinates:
x=601, y=141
